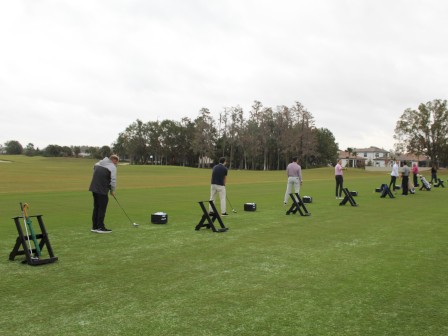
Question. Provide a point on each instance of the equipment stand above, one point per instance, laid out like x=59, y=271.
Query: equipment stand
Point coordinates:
x=439, y=184
x=348, y=198
x=297, y=205
x=210, y=218
x=31, y=256
x=385, y=191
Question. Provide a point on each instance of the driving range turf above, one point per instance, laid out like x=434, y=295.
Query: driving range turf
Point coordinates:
x=376, y=269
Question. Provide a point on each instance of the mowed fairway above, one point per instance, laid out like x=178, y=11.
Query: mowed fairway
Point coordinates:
x=376, y=269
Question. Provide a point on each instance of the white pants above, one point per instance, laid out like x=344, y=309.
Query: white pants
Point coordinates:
x=221, y=190
x=292, y=181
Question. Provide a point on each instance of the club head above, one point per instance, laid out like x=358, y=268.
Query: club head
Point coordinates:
x=233, y=210
x=135, y=224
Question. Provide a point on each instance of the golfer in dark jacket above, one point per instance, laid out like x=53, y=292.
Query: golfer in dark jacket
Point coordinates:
x=218, y=184
x=104, y=180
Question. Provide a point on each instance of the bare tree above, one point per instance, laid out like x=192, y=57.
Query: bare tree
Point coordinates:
x=222, y=129
x=266, y=134
x=204, y=138
x=235, y=129
x=306, y=137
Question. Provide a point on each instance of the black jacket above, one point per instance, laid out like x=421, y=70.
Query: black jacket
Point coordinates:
x=101, y=180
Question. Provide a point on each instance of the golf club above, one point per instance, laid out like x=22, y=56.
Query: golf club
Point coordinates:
x=233, y=210
x=132, y=222
x=30, y=227
x=26, y=230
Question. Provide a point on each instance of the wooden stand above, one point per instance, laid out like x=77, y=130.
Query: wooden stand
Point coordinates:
x=348, y=198
x=24, y=241
x=208, y=219
x=439, y=184
x=297, y=205
x=385, y=191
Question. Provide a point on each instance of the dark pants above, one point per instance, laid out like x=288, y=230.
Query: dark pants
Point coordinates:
x=433, y=177
x=393, y=180
x=99, y=210
x=339, y=185
x=405, y=184
x=415, y=180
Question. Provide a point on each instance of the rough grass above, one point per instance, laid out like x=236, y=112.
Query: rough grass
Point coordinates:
x=375, y=269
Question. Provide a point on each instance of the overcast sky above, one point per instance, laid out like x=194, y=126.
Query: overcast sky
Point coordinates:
x=76, y=72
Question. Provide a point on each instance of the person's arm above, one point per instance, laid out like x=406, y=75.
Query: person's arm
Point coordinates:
x=113, y=180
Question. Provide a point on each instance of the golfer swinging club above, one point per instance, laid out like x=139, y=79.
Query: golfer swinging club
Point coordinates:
x=218, y=185
x=104, y=180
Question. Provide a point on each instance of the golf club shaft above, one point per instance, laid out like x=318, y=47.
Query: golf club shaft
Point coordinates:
x=132, y=222
x=233, y=210
x=26, y=229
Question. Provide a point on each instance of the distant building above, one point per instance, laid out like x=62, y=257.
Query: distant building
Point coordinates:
x=350, y=160
x=374, y=156
x=377, y=158
x=84, y=155
x=205, y=161
x=420, y=160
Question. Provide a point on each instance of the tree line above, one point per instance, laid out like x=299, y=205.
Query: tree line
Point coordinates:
x=14, y=147
x=266, y=140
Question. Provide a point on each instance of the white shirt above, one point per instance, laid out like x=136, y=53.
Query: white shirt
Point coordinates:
x=394, y=170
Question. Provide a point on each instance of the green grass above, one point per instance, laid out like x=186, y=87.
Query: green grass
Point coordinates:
x=376, y=269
